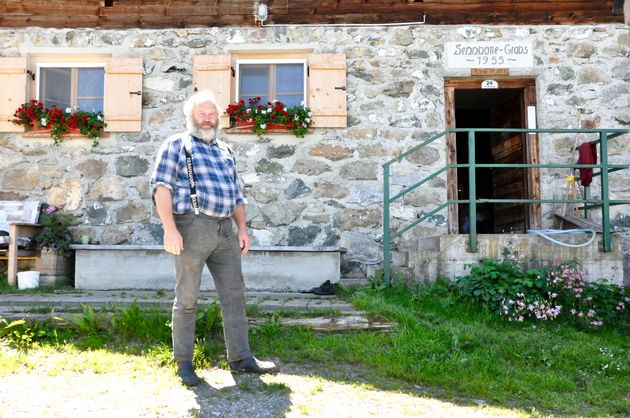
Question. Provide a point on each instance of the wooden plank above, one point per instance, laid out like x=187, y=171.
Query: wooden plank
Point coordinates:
x=580, y=222
x=532, y=175
x=451, y=158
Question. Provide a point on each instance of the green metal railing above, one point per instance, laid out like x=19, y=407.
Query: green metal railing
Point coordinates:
x=604, y=169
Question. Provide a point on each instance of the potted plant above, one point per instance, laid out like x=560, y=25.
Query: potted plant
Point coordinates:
x=260, y=117
x=54, y=243
x=33, y=115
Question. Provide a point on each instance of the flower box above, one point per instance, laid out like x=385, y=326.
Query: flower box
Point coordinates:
x=41, y=122
x=261, y=118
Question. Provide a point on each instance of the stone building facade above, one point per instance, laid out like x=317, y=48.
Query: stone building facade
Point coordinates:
x=327, y=188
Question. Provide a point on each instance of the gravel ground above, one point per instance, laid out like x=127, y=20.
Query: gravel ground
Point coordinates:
x=296, y=391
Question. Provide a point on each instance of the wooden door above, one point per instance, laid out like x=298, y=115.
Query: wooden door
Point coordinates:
x=508, y=183
x=529, y=186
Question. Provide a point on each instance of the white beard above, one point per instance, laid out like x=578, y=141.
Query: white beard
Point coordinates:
x=206, y=135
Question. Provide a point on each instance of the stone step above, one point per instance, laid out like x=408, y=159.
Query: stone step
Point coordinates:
x=348, y=322
x=163, y=300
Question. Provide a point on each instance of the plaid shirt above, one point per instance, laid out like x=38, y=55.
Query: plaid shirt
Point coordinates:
x=218, y=189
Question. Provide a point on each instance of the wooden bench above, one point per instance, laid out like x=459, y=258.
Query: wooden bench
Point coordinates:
x=20, y=219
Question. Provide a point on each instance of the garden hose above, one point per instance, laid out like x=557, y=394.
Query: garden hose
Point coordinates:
x=546, y=232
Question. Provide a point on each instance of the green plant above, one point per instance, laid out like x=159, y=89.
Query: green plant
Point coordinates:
x=504, y=288
x=85, y=324
x=90, y=124
x=270, y=327
x=55, y=233
x=56, y=122
x=297, y=119
x=493, y=283
x=31, y=114
x=24, y=335
x=209, y=322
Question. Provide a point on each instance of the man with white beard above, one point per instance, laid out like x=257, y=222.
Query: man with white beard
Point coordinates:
x=197, y=196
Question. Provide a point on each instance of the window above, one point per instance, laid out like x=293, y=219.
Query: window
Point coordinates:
x=317, y=79
x=71, y=85
x=283, y=80
x=92, y=82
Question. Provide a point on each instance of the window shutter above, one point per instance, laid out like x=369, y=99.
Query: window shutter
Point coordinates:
x=13, y=88
x=327, y=90
x=123, y=95
x=212, y=72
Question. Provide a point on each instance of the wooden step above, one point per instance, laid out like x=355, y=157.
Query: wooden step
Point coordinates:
x=581, y=222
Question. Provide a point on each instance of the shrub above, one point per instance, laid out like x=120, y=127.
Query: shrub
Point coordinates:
x=539, y=294
x=593, y=303
x=498, y=284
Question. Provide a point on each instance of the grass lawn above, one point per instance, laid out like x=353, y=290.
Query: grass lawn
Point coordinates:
x=442, y=348
x=459, y=350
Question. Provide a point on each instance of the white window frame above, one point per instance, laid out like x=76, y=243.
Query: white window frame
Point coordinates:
x=271, y=61
x=64, y=64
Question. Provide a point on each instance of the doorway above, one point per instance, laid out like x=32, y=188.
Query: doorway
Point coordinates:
x=470, y=106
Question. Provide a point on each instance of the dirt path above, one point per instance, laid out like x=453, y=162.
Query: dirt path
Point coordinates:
x=39, y=390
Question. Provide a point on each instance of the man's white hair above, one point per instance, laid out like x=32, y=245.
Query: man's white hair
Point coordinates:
x=202, y=96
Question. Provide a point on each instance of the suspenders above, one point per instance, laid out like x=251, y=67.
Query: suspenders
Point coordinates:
x=191, y=173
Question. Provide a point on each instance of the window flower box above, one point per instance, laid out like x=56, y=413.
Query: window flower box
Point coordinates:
x=57, y=124
x=273, y=116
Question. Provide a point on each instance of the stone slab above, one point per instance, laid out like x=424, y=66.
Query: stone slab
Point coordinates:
x=101, y=267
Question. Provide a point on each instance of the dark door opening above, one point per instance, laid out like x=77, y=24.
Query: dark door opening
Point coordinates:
x=492, y=108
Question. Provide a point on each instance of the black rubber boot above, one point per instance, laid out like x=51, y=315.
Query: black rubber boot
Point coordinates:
x=186, y=373
x=253, y=365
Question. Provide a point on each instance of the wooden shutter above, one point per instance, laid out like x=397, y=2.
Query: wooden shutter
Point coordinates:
x=212, y=72
x=12, y=91
x=123, y=95
x=327, y=90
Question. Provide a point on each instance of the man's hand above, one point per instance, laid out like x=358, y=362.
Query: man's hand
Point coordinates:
x=241, y=226
x=243, y=240
x=173, y=242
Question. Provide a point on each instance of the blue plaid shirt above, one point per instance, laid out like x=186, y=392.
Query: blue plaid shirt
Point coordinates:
x=218, y=189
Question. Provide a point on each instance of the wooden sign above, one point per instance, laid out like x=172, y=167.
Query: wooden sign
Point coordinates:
x=489, y=71
x=489, y=54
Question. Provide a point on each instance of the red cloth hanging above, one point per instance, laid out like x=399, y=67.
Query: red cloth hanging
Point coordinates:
x=587, y=155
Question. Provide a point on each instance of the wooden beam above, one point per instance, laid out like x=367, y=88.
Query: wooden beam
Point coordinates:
x=186, y=13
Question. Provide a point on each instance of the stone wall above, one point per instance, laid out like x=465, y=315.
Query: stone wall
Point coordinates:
x=325, y=189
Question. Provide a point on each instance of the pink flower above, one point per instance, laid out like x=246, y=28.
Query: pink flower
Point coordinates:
x=50, y=209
